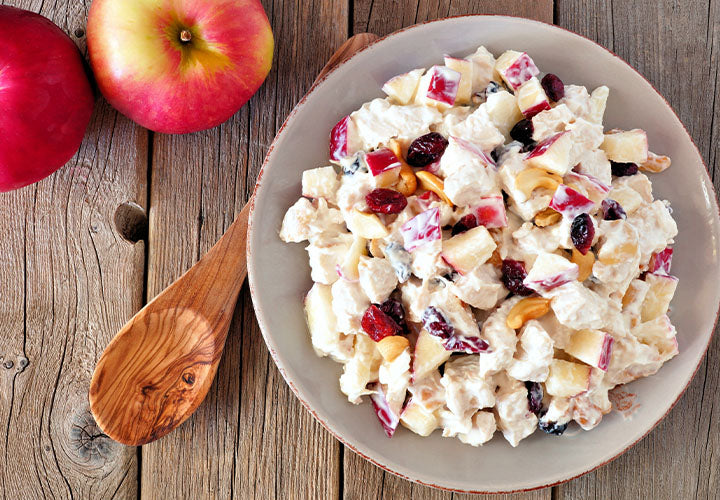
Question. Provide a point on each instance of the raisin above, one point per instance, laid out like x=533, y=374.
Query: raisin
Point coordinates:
x=552, y=427
x=523, y=131
x=623, y=169
x=535, y=397
x=513, y=274
x=436, y=324
x=378, y=325
x=582, y=232
x=467, y=222
x=612, y=210
x=426, y=149
x=553, y=87
x=385, y=201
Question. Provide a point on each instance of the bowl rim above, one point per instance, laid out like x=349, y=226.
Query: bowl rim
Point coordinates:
x=271, y=345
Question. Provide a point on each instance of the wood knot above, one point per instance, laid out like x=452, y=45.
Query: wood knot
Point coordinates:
x=89, y=442
x=131, y=222
x=189, y=378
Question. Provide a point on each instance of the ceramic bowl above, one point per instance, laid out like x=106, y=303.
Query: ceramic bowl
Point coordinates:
x=279, y=274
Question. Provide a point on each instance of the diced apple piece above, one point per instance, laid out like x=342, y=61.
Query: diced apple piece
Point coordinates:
x=628, y=198
x=320, y=183
x=465, y=251
x=490, y=212
x=422, y=229
x=552, y=154
x=384, y=166
x=567, y=379
x=660, y=334
x=474, y=149
x=388, y=419
x=570, y=203
x=660, y=262
x=593, y=347
x=438, y=87
x=367, y=226
x=322, y=324
x=402, y=88
x=502, y=108
x=531, y=98
x=626, y=146
x=657, y=300
x=429, y=354
x=483, y=68
x=598, y=100
x=349, y=268
x=464, y=67
x=418, y=419
x=343, y=141
x=549, y=271
x=516, y=68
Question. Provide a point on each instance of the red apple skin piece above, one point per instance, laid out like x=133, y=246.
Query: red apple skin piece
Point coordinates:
x=385, y=415
x=606, y=353
x=660, y=262
x=421, y=229
x=45, y=98
x=381, y=160
x=339, y=139
x=533, y=110
x=167, y=85
x=569, y=202
x=444, y=85
x=490, y=212
x=544, y=145
x=521, y=71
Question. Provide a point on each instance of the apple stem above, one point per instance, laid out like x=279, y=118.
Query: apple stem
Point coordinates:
x=185, y=36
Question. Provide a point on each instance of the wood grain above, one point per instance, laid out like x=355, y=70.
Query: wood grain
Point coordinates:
x=675, y=45
x=251, y=438
x=68, y=281
x=361, y=478
x=158, y=368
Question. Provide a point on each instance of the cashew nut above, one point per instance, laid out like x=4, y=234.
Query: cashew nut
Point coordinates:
x=655, y=163
x=391, y=347
x=432, y=182
x=547, y=217
x=534, y=178
x=527, y=309
x=584, y=263
x=407, y=183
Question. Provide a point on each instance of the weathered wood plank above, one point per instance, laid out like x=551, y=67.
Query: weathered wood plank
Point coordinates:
x=69, y=281
x=676, y=46
x=251, y=438
x=361, y=478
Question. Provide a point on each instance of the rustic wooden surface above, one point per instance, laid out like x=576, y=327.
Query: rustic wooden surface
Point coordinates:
x=77, y=261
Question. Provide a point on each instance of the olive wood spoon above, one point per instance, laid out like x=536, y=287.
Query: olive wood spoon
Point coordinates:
x=159, y=367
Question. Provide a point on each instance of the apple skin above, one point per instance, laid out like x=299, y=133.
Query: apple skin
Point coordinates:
x=45, y=98
x=149, y=74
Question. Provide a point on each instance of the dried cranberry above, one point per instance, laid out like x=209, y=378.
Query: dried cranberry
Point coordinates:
x=553, y=87
x=523, y=131
x=467, y=222
x=385, y=201
x=436, y=324
x=513, y=274
x=535, y=397
x=612, y=210
x=623, y=169
x=378, y=325
x=426, y=149
x=552, y=427
x=394, y=309
x=582, y=232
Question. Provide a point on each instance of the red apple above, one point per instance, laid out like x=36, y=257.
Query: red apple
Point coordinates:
x=45, y=98
x=422, y=229
x=569, y=202
x=181, y=66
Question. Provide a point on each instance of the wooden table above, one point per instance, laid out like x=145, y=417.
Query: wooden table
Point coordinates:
x=80, y=256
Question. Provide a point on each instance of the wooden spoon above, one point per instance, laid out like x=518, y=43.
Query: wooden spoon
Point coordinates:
x=159, y=367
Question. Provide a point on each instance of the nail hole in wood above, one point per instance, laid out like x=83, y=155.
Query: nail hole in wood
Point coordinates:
x=79, y=33
x=131, y=222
